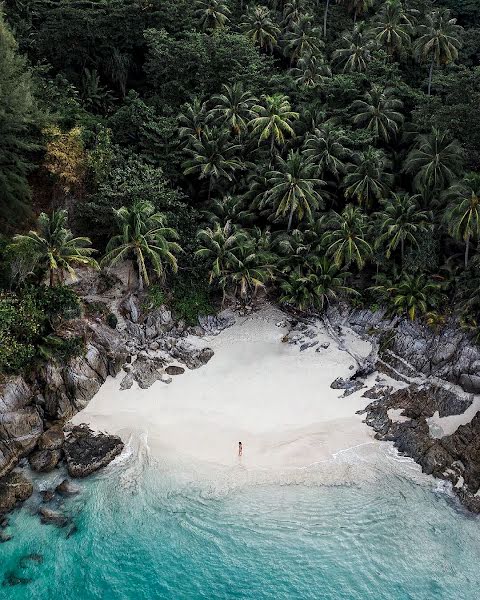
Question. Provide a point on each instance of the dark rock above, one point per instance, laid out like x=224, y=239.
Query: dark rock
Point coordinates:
x=44, y=461
x=86, y=451
x=52, y=517
x=28, y=559
x=67, y=488
x=214, y=324
x=377, y=391
x=14, y=488
x=127, y=382
x=4, y=523
x=174, y=370
x=4, y=537
x=47, y=495
x=51, y=439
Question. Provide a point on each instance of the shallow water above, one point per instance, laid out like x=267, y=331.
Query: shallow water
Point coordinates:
x=172, y=530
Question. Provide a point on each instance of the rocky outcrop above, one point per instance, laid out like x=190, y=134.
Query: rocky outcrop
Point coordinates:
x=87, y=451
x=14, y=488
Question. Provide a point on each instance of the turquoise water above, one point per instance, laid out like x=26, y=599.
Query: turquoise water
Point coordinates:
x=150, y=534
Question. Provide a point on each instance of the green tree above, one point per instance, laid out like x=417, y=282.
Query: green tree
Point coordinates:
x=258, y=26
x=212, y=157
x=311, y=71
x=368, y=178
x=435, y=160
x=212, y=14
x=401, y=222
x=315, y=285
x=273, y=120
x=392, y=28
x=18, y=119
x=233, y=108
x=142, y=234
x=193, y=121
x=462, y=216
x=327, y=150
x=303, y=40
x=293, y=190
x=356, y=7
x=379, y=113
x=53, y=248
x=354, y=54
x=346, y=238
x=439, y=41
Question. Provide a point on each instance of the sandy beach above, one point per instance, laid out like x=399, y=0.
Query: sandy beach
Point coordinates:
x=271, y=396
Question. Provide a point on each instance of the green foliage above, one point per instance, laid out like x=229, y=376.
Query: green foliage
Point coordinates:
x=191, y=299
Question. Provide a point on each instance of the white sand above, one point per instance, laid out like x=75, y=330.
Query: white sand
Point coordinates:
x=267, y=394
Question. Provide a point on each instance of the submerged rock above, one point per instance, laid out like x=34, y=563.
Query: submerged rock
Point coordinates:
x=87, y=451
x=14, y=488
x=67, y=488
x=52, y=517
x=11, y=580
x=28, y=559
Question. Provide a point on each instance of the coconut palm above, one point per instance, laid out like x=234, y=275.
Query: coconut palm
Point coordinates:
x=310, y=71
x=233, y=107
x=325, y=18
x=273, y=120
x=53, y=248
x=435, y=160
x=143, y=235
x=392, y=27
x=401, y=222
x=368, y=178
x=193, y=120
x=353, y=55
x=212, y=157
x=463, y=213
x=379, y=112
x=439, y=41
x=212, y=14
x=293, y=190
x=303, y=39
x=327, y=150
x=315, y=285
x=346, y=239
x=292, y=13
x=356, y=7
x=412, y=295
x=259, y=28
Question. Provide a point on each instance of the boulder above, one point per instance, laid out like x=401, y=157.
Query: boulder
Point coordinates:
x=44, y=461
x=14, y=488
x=174, y=370
x=52, y=517
x=67, y=488
x=87, y=451
x=51, y=439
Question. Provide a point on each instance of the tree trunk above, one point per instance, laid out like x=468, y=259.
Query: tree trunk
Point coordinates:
x=210, y=185
x=51, y=277
x=290, y=218
x=402, y=249
x=140, y=274
x=467, y=249
x=325, y=17
x=354, y=19
x=430, y=74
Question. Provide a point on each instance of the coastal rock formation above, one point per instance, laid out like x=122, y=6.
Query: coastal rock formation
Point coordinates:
x=14, y=488
x=87, y=451
x=44, y=461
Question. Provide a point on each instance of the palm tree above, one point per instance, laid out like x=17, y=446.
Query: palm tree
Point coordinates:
x=212, y=157
x=292, y=189
x=273, y=120
x=314, y=286
x=259, y=28
x=212, y=14
x=325, y=18
x=435, y=160
x=52, y=246
x=439, y=41
x=303, y=40
x=367, y=179
x=379, y=113
x=400, y=222
x=413, y=295
x=311, y=70
x=356, y=7
x=354, y=52
x=234, y=107
x=392, y=27
x=463, y=213
x=142, y=234
x=327, y=150
x=347, y=237
x=194, y=119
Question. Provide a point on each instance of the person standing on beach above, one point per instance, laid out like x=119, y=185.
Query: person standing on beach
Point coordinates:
x=240, y=449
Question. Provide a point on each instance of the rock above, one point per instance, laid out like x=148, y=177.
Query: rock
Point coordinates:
x=325, y=345
x=4, y=523
x=51, y=439
x=126, y=382
x=47, y=495
x=214, y=324
x=26, y=560
x=44, y=461
x=11, y=580
x=145, y=372
x=66, y=488
x=190, y=355
x=174, y=370
x=52, y=517
x=4, y=537
x=86, y=451
x=154, y=346
x=377, y=391
x=14, y=488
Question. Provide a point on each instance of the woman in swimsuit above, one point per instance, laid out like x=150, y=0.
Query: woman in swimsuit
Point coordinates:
x=240, y=449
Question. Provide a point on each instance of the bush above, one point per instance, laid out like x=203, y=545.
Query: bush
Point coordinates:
x=191, y=299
